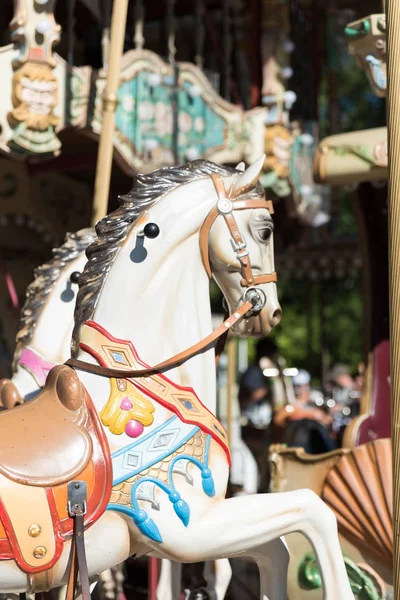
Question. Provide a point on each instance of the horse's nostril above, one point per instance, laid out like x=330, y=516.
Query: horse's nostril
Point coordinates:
x=276, y=317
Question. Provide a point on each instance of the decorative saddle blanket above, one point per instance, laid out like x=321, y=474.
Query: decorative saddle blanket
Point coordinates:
x=150, y=461
x=183, y=401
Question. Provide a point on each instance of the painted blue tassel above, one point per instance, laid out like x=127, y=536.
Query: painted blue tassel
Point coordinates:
x=181, y=507
x=208, y=482
x=146, y=525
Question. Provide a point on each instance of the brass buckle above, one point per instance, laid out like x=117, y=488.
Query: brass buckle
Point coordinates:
x=77, y=494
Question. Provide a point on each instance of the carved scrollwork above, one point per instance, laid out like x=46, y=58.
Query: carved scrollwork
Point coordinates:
x=359, y=491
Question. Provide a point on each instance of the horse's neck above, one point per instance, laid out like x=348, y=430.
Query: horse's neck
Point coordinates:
x=162, y=306
x=51, y=339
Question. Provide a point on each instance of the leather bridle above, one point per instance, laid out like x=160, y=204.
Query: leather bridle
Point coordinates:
x=226, y=207
x=252, y=301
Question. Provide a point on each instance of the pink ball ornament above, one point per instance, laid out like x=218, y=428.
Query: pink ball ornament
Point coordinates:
x=134, y=428
x=126, y=404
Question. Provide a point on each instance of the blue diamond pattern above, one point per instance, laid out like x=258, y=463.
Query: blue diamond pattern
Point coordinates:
x=119, y=358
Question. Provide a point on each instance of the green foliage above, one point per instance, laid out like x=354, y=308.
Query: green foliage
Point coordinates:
x=300, y=337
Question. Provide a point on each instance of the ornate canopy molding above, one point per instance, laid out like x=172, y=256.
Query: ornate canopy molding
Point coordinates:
x=367, y=43
x=352, y=157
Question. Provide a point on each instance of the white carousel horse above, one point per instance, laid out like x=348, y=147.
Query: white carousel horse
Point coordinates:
x=144, y=297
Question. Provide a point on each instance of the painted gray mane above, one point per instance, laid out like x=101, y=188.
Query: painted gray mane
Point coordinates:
x=46, y=277
x=113, y=229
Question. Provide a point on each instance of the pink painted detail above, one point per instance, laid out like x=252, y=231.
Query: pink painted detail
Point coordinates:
x=10, y=287
x=126, y=404
x=35, y=365
x=134, y=429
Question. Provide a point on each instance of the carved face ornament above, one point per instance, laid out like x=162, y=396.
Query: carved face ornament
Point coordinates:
x=39, y=96
x=34, y=97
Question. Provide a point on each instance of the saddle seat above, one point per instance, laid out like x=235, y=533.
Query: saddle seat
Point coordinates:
x=44, y=441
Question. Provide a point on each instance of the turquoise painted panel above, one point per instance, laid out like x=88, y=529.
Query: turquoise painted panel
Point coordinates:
x=144, y=117
x=199, y=125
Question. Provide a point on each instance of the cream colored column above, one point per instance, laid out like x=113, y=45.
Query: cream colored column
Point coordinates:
x=393, y=122
x=105, y=155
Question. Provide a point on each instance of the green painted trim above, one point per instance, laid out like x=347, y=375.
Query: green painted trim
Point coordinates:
x=362, y=583
x=308, y=574
x=360, y=150
x=381, y=24
x=365, y=29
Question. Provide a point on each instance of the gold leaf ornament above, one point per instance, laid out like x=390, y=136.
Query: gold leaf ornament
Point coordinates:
x=124, y=393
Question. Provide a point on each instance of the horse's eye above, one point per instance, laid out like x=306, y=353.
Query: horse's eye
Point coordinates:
x=263, y=233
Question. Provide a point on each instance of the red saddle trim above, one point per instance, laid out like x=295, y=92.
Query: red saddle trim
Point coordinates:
x=149, y=392
x=98, y=476
x=13, y=546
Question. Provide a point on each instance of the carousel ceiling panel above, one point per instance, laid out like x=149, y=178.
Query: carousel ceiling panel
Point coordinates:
x=162, y=121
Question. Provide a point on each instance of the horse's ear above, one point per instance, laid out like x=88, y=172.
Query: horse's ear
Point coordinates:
x=248, y=179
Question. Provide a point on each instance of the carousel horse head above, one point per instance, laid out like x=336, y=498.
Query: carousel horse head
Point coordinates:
x=240, y=250
x=178, y=227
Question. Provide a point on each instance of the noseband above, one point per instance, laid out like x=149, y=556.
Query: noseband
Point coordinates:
x=252, y=301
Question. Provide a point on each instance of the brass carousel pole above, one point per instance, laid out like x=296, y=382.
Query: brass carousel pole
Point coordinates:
x=231, y=381
x=105, y=154
x=393, y=122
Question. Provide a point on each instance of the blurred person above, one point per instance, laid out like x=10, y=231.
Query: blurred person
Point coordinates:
x=256, y=405
x=346, y=393
x=254, y=398
x=341, y=382
x=302, y=407
x=302, y=387
x=359, y=378
x=306, y=425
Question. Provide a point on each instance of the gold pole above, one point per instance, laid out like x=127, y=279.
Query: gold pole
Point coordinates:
x=105, y=154
x=393, y=122
x=231, y=376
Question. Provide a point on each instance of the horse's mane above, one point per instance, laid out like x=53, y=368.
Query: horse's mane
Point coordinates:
x=45, y=278
x=113, y=229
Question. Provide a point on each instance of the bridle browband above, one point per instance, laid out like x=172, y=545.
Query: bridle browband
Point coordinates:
x=253, y=299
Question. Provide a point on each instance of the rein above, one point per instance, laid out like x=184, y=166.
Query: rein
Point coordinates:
x=253, y=299
x=174, y=361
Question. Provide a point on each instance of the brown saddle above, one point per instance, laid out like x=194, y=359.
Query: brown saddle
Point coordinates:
x=44, y=441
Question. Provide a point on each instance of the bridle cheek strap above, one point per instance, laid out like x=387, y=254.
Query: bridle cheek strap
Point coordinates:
x=225, y=208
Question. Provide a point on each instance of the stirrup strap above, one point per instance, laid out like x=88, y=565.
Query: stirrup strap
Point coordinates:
x=77, y=510
x=174, y=361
